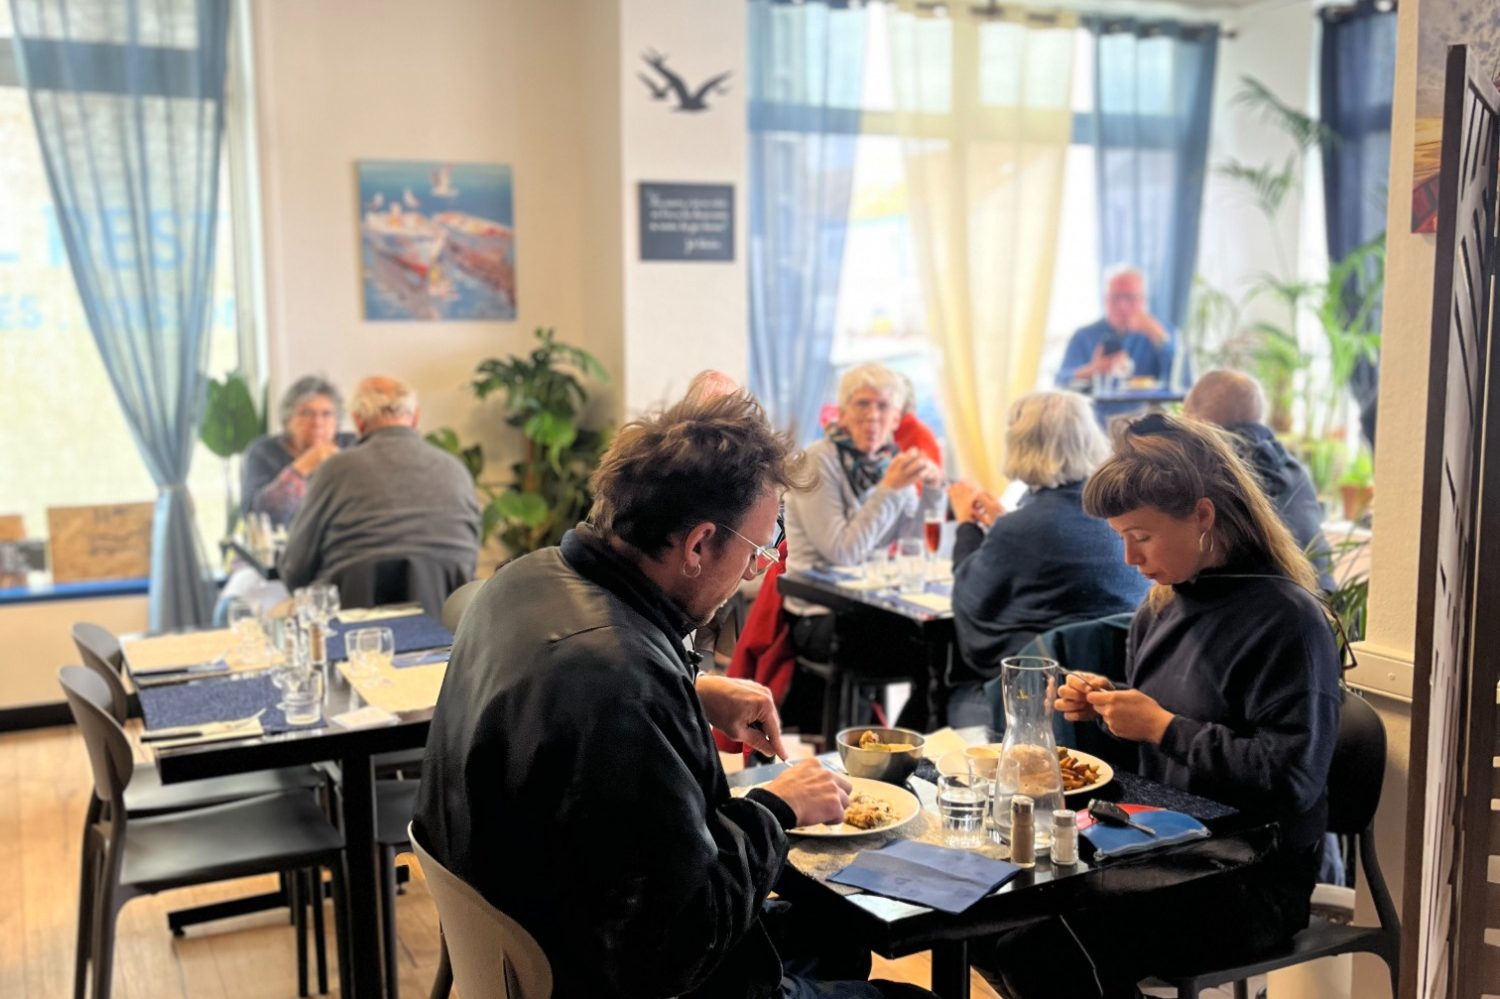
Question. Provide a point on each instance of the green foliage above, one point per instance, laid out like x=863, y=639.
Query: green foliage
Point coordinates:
x=1361, y=471
x=230, y=421
x=1304, y=131
x=544, y=400
x=1350, y=598
x=1269, y=186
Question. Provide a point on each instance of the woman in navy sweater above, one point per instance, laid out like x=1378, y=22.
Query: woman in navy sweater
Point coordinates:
x=1233, y=694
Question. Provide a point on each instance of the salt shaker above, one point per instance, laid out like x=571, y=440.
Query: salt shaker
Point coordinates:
x=1064, y=837
x=1022, y=831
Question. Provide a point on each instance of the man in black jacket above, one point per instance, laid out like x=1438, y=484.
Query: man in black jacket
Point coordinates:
x=1236, y=402
x=571, y=776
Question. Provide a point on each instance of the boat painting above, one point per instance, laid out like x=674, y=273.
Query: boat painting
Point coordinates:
x=437, y=241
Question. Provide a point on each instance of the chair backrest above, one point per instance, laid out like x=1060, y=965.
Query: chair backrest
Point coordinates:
x=484, y=944
x=458, y=601
x=377, y=582
x=110, y=758
x=101, y=652
x=1358, y=769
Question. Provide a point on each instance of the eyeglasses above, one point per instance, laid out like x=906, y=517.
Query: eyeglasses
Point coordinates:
x=765, y=557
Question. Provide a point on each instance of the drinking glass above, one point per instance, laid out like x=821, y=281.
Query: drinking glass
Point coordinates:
x=249, y=636
x=302, y=697
x=932, y=528
x=878, y=566
x=962, y=802
x=911, y=556
x=370, y=653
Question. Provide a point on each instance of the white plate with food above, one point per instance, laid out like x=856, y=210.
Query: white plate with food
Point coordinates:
x=1082, y=772
x=874, y=806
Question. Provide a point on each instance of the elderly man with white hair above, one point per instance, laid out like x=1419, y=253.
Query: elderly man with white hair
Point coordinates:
x=1129, y=337
x=391, y=496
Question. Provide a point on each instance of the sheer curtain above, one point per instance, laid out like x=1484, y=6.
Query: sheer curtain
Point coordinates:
x=1153, y=96
x=1357, y=75
x=806, y=72
x=128, y=101
x=984, y=110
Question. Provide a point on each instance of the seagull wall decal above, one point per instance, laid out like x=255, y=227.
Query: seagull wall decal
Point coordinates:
x=687, y=100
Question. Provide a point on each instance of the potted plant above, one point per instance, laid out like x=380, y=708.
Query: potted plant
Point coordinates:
x=1357, y=485
x=230, y=423
x=544, y=398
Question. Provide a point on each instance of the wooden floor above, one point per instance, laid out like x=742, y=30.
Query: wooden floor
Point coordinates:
x=44, y=777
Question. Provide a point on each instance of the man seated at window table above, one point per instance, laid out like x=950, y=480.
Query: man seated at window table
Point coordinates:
x=390, y=496
x=277, y=468
x=1128, y=340
x=571, y=777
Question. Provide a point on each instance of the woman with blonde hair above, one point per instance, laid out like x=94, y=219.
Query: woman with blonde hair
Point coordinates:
x=1232, y=693
x=1045, y=564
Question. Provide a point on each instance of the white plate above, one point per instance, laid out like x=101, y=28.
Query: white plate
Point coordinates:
x=903, y=803
x=955, y=763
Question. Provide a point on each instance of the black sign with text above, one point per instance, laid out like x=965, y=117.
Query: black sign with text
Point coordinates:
x=687, y=221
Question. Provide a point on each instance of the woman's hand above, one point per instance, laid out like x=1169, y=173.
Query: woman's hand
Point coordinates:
x=905, y=469
x=1072, y=696
x=309, y=461
x=964, y=498
x=1130, y=714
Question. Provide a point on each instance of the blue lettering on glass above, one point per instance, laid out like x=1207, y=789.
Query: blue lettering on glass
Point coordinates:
x=31, y=312
x=163, y=238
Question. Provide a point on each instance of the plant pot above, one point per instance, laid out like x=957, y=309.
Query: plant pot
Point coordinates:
x=1357, y=501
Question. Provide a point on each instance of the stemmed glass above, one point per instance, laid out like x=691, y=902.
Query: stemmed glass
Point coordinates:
x=370, y=653
x=250, y=637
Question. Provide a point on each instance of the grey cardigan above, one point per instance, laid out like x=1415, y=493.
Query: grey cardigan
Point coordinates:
x=831, y=525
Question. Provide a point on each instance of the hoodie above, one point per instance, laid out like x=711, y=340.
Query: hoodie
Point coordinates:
x=1290, y=490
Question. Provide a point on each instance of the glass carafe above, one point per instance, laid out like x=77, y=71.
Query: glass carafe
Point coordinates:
x=1028, y=757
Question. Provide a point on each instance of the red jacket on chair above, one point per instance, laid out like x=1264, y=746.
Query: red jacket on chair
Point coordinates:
x=764, y=651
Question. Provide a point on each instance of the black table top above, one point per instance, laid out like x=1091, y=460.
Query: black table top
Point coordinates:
x=821, y=587
x=893, y=928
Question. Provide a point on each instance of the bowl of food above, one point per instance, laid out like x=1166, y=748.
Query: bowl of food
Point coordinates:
x=885, y=754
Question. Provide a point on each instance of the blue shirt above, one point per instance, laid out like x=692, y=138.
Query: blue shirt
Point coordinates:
x=1150, y=360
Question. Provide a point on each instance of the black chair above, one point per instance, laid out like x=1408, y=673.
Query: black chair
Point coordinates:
x=411, y=578
x=1354, y=781
x=458, y=601
x=125, y=857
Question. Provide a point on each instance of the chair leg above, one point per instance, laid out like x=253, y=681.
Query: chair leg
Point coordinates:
x=388, y=918
x=343, y=947
x=105, y=914
x=1241, y=989
x=296, y=889
x=88, y=879
x=442, y=982
x=320, y=945
x=286, y=893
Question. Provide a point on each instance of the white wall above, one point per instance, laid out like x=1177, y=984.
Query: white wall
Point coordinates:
x=38, y=639
x=683, y=317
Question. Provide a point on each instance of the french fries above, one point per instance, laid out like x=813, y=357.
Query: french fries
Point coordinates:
x=1075, y=773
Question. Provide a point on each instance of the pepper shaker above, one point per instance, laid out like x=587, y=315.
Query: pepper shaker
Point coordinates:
x=1022, y=831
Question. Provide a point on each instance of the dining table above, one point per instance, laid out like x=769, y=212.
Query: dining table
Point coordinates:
x=405, y=696
x=924, y=621
x=894, y=928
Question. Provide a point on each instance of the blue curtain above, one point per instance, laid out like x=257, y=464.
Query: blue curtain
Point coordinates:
x=1153, y=93
x=1357, y=75
x=128, y=100
x=806, y=72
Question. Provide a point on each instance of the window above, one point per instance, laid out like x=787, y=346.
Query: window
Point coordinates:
x=64, y=441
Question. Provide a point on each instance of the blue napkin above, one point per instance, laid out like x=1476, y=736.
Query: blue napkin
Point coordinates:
x=1121, y=841
x=412, y=631
x=935, y=876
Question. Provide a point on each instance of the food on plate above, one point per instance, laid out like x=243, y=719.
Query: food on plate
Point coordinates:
x=1075, y=773
x=866, y=811
x=871, y=741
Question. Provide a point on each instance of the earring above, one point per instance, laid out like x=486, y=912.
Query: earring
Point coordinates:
x=698, y=571
x=1209, y=550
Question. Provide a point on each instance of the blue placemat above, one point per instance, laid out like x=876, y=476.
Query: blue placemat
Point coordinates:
x=220, y=698
x=1120, y=841
x=414, y=631
x=935, y=876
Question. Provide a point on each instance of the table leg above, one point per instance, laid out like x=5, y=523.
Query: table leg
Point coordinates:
x=939, y=667
x=950, y=969
x=363, y=945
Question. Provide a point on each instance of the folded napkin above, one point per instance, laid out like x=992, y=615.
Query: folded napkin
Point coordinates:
x=935, y=876
x=368, y=716
x=422, y=658
x=359, y=615
x=1121, y=841
x=865, y=584
x=195, y=735
x=939, y=602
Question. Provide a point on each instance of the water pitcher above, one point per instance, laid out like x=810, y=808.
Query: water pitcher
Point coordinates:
x=1028, y=757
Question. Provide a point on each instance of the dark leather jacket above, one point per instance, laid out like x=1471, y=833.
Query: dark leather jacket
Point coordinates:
x=572, y=779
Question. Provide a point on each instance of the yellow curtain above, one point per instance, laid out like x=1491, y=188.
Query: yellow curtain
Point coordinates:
x=984, y=110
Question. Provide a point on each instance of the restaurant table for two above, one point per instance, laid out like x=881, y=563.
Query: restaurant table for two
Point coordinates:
x=922, y=622
x=409, y=693
x=895, y=929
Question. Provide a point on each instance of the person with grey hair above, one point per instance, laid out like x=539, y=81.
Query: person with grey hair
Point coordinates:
x=1045, y=564
x=1128, y=338
x=276, y=468
x=1236, y=402
x=391, y=497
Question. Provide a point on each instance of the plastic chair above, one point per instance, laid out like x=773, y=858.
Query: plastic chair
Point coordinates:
x=124, y=858
x=458, y=601
x=484, y=945
x=1354, y=780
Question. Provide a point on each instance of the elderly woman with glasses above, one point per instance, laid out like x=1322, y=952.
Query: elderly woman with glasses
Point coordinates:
x=277, y=467
x=867, y=495
x=1232, y=692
